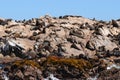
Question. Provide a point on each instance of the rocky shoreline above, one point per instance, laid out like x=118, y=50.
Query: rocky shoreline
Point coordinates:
x=64, y=48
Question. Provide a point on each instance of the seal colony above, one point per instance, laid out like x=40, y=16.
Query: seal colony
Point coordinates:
x=65, y=47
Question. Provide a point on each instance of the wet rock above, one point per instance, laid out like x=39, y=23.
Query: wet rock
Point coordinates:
x=74, y=73
x=19, y=74
x=9, y=46
x=115, y=52
x=51, y=77
x=109, y=74
x=117, y=60
x=24, y=70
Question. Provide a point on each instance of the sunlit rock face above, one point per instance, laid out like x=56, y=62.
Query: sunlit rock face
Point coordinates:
x=66, y=47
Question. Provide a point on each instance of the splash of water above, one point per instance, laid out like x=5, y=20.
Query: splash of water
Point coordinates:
x=5, y=76
x=51, y=77
x=113, y=66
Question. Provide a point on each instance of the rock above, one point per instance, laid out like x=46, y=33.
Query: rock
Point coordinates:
x=2, y=21
x=68, y=37
x=117, y=60
x=104, y=31
x=115, y=52
x=39, y=23
x=78, y=33
x=19, y=74
x=90, y=45
x=114, y=31
x=61, y=33
x=109, y=74
x=103, y=41
x=76, y=46
x=9, y=46
x=2, y=31
x=1, y=55
x=51, y=77
x=115, y=23
x=71, y=51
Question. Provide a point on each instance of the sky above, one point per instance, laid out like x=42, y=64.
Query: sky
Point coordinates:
x=27, y=9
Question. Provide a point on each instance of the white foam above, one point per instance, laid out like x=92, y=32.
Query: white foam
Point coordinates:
x=113, y=66
x=51, y=77
x=93, y=78
x=5, y=77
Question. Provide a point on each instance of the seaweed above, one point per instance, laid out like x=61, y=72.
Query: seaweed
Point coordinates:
x=21, y=63
x=80, y=64
x=54, y=61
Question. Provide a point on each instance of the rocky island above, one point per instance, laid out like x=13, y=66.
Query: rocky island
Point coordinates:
x=59, y=48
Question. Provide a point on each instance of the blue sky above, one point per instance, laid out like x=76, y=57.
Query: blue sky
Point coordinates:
x=27, y=9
